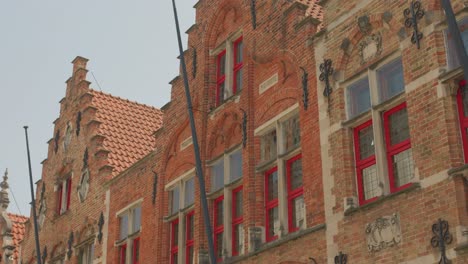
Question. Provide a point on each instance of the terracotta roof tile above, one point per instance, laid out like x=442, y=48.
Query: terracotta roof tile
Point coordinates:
x=17, y=230
x=127, y=127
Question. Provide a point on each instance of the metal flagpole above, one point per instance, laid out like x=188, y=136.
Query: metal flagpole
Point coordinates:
x=201, y=180
x=33, y=203
x=455, y=32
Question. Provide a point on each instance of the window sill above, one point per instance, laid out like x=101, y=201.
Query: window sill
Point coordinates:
x=381, y=199
x=233, y=98
x=215, y=194
x=233, y=184
x=462, y=170
x=390, y=103
x=171, y=217
x=187, y=208
x=267, y=246
x=264, y=166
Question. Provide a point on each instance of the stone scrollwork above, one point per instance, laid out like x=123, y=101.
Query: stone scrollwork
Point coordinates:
x=384, y=232
x=370, y=47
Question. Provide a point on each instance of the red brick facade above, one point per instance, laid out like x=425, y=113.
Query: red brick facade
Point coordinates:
x=292, y=176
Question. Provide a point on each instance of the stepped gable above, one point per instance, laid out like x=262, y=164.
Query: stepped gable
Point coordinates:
x=314, y=10
x=127, y=128
x=17, y=231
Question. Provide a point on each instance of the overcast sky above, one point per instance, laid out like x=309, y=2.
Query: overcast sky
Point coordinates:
x=132, y=48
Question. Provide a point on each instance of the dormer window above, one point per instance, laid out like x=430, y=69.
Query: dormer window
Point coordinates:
x=229, y=64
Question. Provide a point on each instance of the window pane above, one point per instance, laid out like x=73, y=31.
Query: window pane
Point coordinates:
x=239, y=51
x=292, y=133
x=238, y=79
x=238, y=238
x=123, y=226
x=136, y=219
x=175, y=196
x=268, y=146
x=358, y=97
x=136, y=251
x=399, y=130
x=465, y=101
x=235, y=160
x=175, y=234
x=391, y=81
x=123, y=254
x=219, y=246
x=219, y=213
x=174, y=258
x=370, y=182
x=221, y=92
x=222, y=64
x=238, y=204
x=273, y=220
x=90, y=253
x=296, y=174
x=217, y=177
x=189, y=192
x=366, y=142
x=190, y=255
x=190, y=227
x=403, y=169
x=453, y=59
x=272, y=185
x=298, y=212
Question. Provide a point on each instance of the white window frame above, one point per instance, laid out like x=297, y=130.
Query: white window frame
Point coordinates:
x=226, y=192
x=181, y=214
x=282, y=157
x=375, y=113
x=131, y=234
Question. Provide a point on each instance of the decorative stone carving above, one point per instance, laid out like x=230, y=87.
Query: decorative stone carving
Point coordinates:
x=370, y=47
x=364, y=25
x=384, y=232
x=83, y=187
x=42, y=207
x=345, y=44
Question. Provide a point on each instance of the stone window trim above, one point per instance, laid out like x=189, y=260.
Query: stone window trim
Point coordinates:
x=280, y=165
x=128, y=243
x=452, y=58
x=179, y=218
x=226, y=53
x=375, y=117
x=225, y=194
x=58, y=260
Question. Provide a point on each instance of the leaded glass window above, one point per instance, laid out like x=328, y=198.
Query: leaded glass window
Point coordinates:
x=292, y=133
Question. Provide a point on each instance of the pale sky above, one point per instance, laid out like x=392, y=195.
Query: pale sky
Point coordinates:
x=132, y=48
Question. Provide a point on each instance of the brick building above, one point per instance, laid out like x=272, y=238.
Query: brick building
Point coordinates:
x=302, y=164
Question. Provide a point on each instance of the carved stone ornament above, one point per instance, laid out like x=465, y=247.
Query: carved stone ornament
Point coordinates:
x=83, y=187
x=370, y=47
x=384, y=232
x=364, y=24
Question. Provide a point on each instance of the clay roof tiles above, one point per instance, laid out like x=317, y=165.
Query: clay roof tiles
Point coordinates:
x=17, y=231
x=127, y=128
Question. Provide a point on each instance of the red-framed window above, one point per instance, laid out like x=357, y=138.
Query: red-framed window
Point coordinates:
x=189, y=236
x=237, y=219
x=218, y=227
x=122, y=254
x=271, y=204
x=296, y=212
x=462, y=100
x=220, y=77
x=238, y=63
x=136, y=251
x=174, y=241
x=398, y=143
x=366, y=169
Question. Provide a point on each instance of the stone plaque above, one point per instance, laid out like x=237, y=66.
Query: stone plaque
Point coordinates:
x=384, y=232
x=268, y=83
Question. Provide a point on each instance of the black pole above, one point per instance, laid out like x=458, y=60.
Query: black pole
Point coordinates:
x=33, y=203
x=196, y=149
x=455, y=32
